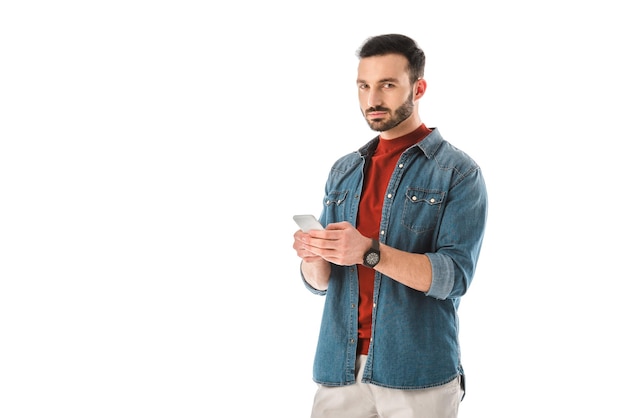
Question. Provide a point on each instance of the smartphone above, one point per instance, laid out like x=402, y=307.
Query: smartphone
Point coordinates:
x=307, y=222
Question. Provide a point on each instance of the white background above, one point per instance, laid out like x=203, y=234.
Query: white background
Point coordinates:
x=152, y=155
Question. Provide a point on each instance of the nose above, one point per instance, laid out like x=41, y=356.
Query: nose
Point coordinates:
x=374, y=98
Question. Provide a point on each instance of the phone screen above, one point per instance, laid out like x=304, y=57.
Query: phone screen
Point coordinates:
x=307, y=222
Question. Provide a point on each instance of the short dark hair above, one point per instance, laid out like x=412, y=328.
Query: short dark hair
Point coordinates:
x=396, y=44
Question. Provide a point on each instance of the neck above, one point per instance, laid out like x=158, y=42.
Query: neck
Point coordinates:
x=407, y=126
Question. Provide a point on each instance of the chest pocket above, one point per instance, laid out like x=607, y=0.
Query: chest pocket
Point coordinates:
x=422, y=209
x=335, y=203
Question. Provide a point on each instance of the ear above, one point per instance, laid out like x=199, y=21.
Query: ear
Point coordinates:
x=419, y=88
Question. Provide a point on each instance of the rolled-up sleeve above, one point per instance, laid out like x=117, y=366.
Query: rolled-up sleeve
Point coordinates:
x=442, y=275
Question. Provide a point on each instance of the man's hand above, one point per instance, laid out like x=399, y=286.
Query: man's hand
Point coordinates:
x=340, y=243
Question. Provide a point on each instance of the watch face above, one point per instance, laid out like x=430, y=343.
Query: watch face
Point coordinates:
x=372, y=259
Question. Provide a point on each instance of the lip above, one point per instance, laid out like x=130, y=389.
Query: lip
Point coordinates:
x=376, y=115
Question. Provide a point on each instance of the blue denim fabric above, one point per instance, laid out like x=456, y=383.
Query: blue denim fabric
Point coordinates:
x=436, y=205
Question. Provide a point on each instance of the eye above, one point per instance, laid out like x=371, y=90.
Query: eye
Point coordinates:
x=362, y=86
x=388, y=86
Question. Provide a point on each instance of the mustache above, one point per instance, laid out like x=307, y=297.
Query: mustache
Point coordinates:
x=376, y=109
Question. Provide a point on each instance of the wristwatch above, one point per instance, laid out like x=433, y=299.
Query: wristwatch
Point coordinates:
x=372, y=256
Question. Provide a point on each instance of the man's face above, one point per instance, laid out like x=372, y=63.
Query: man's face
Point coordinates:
x=385, y=92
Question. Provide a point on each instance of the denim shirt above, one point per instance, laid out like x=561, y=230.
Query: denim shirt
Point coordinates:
x=436, y=204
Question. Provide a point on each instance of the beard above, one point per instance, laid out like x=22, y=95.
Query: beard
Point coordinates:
x=396, y=116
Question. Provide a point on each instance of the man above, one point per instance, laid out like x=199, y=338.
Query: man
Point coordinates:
x=404, y=221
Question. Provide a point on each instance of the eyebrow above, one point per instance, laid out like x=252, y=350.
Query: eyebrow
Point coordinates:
x=381, y=81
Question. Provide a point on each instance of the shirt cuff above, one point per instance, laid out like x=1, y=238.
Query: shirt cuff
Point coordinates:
x=442, y=276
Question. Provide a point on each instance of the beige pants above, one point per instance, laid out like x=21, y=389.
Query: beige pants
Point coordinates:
x=362, y=400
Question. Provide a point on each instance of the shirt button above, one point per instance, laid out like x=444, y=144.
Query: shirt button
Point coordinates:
x=400, y=165
x=389, y=195
x=432, y=200
x=382, y=232
x=414, y=198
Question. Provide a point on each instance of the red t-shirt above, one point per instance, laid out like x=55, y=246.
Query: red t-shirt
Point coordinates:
x=377, y=177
